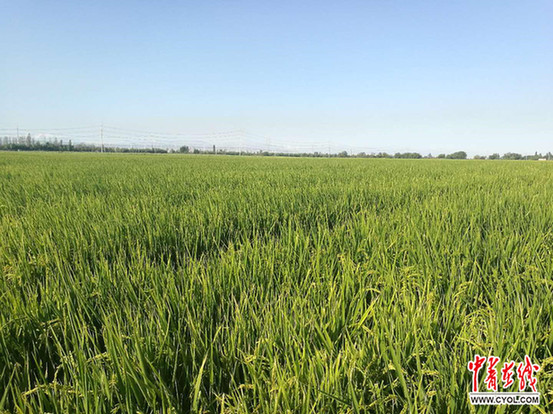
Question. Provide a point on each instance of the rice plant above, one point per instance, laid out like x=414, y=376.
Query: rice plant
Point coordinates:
x=174, y=283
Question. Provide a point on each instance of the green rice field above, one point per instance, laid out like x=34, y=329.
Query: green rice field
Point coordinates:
x=218, y=284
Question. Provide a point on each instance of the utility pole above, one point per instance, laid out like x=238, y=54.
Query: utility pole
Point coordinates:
x=102, y=136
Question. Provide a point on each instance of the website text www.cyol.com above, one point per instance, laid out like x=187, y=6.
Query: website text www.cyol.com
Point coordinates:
x=504, y=398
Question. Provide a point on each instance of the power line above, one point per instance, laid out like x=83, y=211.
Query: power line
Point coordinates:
x=230, y=140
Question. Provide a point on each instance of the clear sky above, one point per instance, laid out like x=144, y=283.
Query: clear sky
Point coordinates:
x=431, y=76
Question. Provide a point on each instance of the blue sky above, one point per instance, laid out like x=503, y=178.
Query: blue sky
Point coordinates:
x=430, y=76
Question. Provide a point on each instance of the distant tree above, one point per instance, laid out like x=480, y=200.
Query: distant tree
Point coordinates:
x=512, y=156
x=362, y=155
x=343, y=154
x=441, y=156
x=479, y=157
x=459, y=155
x=494, y=156
x=184, y=149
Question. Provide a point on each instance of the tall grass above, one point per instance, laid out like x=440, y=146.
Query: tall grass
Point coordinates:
x=136, y=283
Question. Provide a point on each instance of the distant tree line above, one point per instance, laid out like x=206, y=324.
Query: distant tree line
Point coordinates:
x=28, y=143
x=515, y=156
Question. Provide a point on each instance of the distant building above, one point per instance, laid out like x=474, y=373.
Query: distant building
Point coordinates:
x=542, y=159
